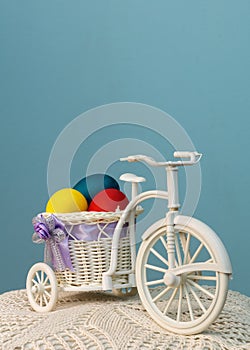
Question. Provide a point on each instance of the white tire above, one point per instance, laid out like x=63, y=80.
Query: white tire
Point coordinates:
x=41, y=286
x=187, y=307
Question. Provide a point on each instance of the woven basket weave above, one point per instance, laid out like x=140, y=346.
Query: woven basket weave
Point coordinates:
x=91, y=259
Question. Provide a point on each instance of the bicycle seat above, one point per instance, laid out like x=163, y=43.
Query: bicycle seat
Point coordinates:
x=128, y=177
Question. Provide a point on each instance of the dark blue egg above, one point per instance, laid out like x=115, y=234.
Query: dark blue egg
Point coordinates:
x=90, y=185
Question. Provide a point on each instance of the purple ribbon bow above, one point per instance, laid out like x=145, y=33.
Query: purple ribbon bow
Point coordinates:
x=53, y=232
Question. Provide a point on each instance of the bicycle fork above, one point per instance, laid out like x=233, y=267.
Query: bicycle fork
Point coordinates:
x=170, y=239
x=173, y=204
x=170, y=278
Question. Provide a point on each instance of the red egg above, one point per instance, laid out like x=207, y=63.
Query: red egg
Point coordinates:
x=108, y=200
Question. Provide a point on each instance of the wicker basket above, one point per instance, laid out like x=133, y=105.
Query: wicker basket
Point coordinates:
x=91, y=259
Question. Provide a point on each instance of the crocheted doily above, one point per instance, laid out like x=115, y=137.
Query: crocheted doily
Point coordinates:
x=100, y=321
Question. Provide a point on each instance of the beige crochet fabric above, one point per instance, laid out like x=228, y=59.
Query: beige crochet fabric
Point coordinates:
x=101, y=321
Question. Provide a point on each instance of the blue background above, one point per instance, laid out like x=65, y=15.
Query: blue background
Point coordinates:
x=61, y=58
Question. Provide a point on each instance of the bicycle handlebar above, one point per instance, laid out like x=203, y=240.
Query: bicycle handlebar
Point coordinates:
x=194, y=158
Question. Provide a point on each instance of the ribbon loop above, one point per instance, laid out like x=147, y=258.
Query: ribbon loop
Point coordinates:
x=53, y=232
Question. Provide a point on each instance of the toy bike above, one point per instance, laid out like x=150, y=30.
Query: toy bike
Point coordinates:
x=181, y=270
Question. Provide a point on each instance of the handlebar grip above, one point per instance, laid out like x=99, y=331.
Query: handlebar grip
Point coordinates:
x=129, y=159
x=183, y=154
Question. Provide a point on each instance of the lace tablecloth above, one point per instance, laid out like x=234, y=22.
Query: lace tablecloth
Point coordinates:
x=100, y=321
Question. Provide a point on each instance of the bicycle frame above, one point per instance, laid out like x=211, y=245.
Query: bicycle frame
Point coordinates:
x=176, y=296
x=128, y=215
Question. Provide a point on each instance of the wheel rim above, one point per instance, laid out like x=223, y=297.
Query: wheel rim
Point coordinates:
x=41, y=287
x=189, y=303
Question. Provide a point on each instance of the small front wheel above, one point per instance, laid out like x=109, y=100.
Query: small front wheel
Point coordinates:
x=187, y=303
x=41, y=286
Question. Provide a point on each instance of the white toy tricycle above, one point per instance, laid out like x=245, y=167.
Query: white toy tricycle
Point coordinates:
x=181, y=271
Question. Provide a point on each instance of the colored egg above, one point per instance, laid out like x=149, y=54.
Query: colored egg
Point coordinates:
x=93, y=184
x=109, y=200
x=66, y=200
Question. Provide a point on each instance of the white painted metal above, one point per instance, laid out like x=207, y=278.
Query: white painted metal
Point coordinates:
x=177, y=313
x=107, y=276
x=172, y=186
x=171, y=238
x=114, y=268
x=194, y=158
x=204, y=231
x=128, y=177
x=41, y=286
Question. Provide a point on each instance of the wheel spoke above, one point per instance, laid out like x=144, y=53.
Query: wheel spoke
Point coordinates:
x=42, y=276
x=197, y=252
x=45, y=300
x=201, y=289
x=189, y=303
x=36, y=297
x=41, y=300
x=159, y=256
x=170, y=300
x=151, y=283
x=180, y=304
x=163, y=241
x=46, y=280
x=183, y=244
x=47, y=293
x=178, y=251
x=161, y=294
x=186, y=249
x=166, y=247
x=34, y=281
x=185, y=304
x=197, y=299
x=201, y=277
x=38, y=277
x=156, y=268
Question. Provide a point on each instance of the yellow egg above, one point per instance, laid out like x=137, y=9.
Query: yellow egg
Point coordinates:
x=66, y=200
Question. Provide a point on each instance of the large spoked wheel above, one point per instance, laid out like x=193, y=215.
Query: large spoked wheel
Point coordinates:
x=186, y=304
x=41, y=286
